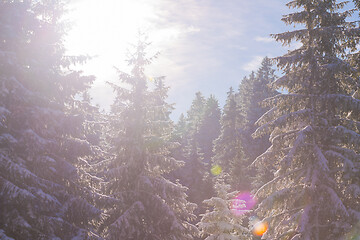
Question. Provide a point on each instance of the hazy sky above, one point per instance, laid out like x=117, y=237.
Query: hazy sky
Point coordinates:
x=204, y=45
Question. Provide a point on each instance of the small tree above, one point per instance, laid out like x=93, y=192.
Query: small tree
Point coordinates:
x=221, y=223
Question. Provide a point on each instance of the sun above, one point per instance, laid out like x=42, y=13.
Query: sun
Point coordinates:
x=104, y=27
x=107, y=30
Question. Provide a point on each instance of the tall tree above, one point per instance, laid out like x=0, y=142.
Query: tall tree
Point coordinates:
x=227, y=148
x=178, y=137
x=194, y=174
x=41, y=140
x=150, y=206
x=194, y=116
x=179, y=134
x=252, y=91
x=209, y=128
x=315, y=141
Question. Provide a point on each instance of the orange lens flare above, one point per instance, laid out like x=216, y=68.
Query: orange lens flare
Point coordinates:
x=260, y=228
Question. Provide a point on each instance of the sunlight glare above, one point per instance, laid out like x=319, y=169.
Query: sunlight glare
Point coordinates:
x=102, y=27
x=107, y=31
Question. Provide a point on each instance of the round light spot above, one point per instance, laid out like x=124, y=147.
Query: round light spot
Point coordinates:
x=242, y=203
x=260, y=228
x=216, y=170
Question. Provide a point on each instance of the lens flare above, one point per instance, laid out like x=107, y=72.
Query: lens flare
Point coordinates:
x=242, y=203
x=260, y=228
x=216, y=170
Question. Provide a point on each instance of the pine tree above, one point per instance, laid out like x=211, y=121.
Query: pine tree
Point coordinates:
x=353, y=55
x=179, y=134
x=194, y=174
x=41, y=144
x=178, y=138
x=150, y=206
x=228, y=151
x=221, y=223
x=252, y=91
x=194, y=118
x=93, y=119
x=315, y=141
x=209, y=128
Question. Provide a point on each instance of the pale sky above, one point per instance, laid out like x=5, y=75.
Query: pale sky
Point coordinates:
x=204, y=45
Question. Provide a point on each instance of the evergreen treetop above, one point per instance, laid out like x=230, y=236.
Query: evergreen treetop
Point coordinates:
x=150, y=206
x=314, y=141
x=220, y=223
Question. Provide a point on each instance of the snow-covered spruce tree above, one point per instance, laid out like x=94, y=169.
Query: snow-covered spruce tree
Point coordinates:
x=315, y=141
x=353, y=57
x=194, y=174
x=209, y=128
x=220, y=223
x=228, y=151
x=195, y=115
x=94, y=120
x=40, y=147
x=252, y=91
x=178, y=136
x=187, y=130
x=150, y=207
x=246, y=102
x=90, y=167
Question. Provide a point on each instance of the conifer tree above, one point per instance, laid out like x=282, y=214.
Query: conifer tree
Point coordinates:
x=179, y=134
x=221, y=223
x=194, y=174
x=178, y=138
x=252, y=91
x=315, y=141
x=41, y=139
x=353, y=56
x=150, y=206
x=209, y=128
x=227, y=148
x=195, y=116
